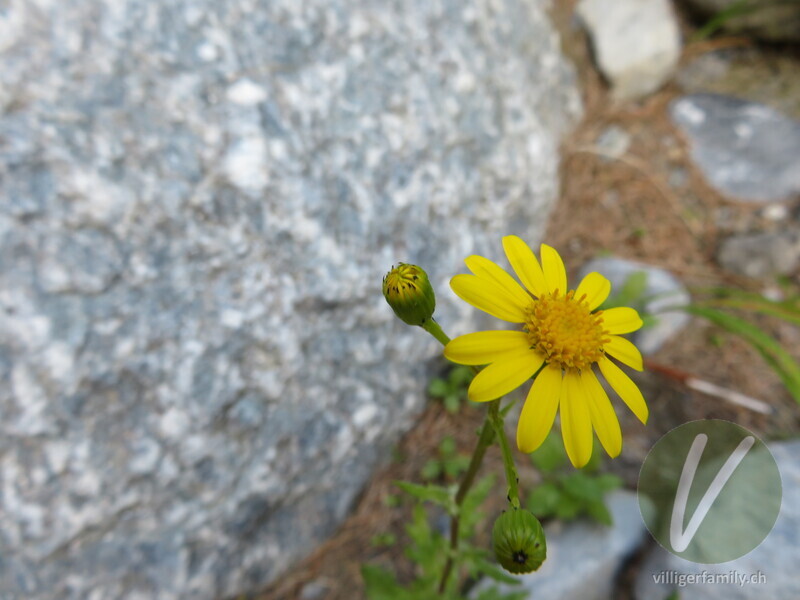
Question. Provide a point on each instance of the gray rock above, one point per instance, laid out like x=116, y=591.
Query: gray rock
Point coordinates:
x=662, y=290
x=584, y=558
x=746, y=150
x=198, y=201
x=771, y=20
x=773, y=565
x=763, y=255
x=636, y=43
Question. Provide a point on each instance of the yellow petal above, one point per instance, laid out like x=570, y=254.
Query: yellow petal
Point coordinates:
x=604, y=419
x=503, y=376
x=488, y=297
x=624, y=351
x=595, y=287
x=555, y=275
x=576, y=423
x=539, y=410
x=621, y=320
x=525, y=265
x=484, y=347
x=625, y=387
x=486, y=269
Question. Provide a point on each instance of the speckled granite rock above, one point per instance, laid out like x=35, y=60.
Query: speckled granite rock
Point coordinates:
x=198, y=201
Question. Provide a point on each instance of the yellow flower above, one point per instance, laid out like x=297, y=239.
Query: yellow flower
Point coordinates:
x=562, y=337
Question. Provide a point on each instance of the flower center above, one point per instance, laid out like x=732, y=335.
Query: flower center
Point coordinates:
x=565, y=331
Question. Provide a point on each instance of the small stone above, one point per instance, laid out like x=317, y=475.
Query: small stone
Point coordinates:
x=614, y=141
x=761, y=255
x=746, y=150
x=636, y=43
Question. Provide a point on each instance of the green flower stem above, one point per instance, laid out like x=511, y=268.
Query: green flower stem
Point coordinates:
x=508, y=460
x=484, y=441
x=433, y=328
x=493, y=425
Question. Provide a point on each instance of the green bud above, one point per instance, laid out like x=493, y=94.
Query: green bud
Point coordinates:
x=409, y=293
x=518, y=541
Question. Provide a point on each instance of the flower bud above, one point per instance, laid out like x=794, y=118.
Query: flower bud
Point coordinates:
x=518, y=541
x=409, y=293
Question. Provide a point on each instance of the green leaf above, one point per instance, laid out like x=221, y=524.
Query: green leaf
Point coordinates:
x=582, y=487
x=494, y=571
x=550, y=455
x=447, y=446
x=568, y=508
x=609, y=481
x=381, y=584
x=391, y=500
x=787, y=310
x=742, y=7
x=460, y=376
x=492, y=593
x=430, y=493
x=438, y=388
x=452, y=403
x=631, y=293
x=543, y=500
x=599, y=512
x=431, y=469
x=776, y=357
x=469, y=514
x=383, y=539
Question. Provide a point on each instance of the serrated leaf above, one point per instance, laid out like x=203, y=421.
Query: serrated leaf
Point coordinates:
x=568, y=508
x=470, y=515
x=380, y=584
x=582, y=487
x=430, y=493
x=599, y=512
x=544, y=499
x=492, y=593
x=609, y=481
x=494, y=571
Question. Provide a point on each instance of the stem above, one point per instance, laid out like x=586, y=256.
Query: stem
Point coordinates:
x=508, y=459
x=433, y=328
x=484, y=441
x=493, y=425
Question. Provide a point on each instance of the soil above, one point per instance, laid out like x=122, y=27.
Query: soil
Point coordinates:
x=650, y=205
